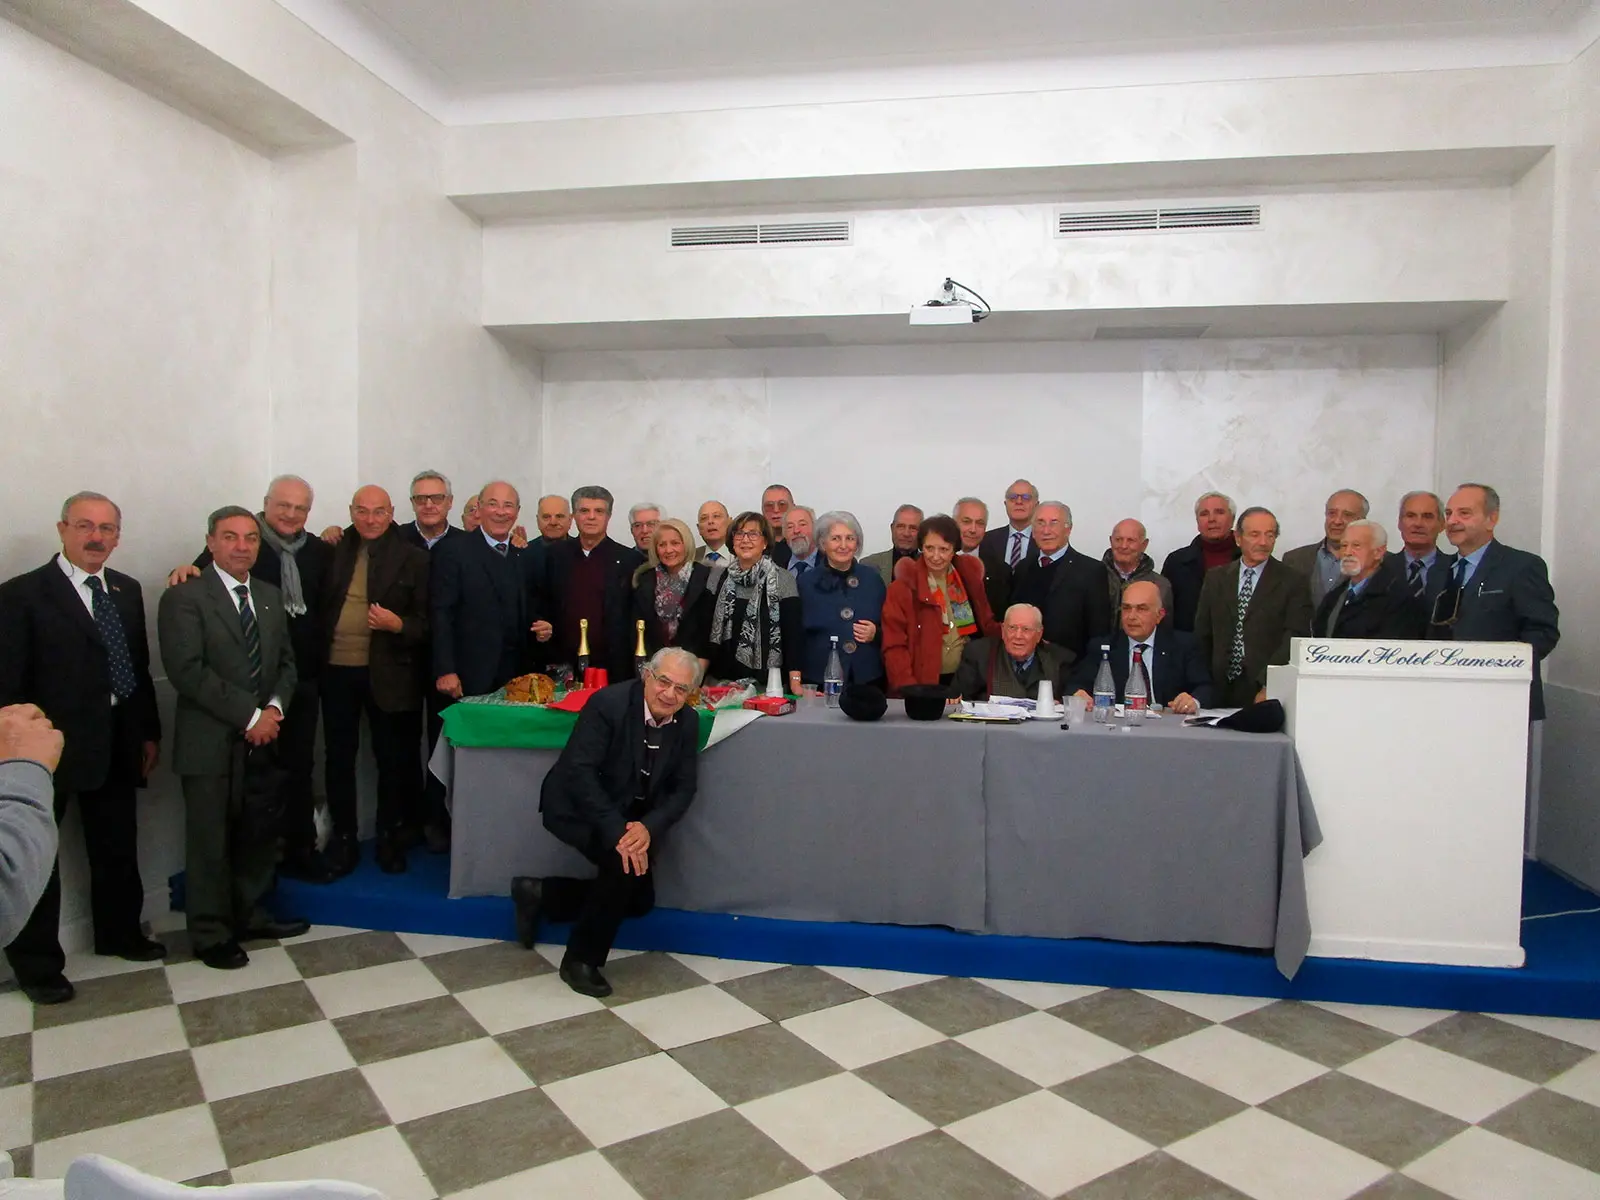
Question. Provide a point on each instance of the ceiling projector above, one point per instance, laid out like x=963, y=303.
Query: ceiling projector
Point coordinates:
x=949, y=309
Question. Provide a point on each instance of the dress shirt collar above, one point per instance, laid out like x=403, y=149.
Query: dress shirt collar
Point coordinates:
x=1427, y=560
x=229, y=582
x=493, y=541
x=79, y=576
x=810, y=561
x=1021, y=667
x=1056, y=557
x=651, y=722
x=427, y=541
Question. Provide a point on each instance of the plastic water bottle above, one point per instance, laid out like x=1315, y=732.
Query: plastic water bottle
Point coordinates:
x=1136, y=698
x=833, y=675
x=1105, y=689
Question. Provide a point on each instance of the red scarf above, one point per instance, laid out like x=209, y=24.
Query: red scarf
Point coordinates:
x=955, y=594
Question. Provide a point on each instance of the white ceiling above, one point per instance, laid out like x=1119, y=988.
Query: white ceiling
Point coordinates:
x=449, y=53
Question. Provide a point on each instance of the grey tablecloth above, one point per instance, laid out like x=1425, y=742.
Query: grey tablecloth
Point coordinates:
x=1156, y=834
x=1161, y=834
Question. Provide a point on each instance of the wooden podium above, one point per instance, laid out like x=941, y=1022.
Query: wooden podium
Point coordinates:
x=1416, y=757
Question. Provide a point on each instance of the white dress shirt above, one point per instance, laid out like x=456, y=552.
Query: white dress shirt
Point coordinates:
x=80, y=584
x=229, y=582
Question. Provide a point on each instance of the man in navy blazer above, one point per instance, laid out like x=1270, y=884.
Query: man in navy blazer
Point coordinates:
x=1372, y=600
x=1421, y=521
x=1173, y=664
x=483, y=601
x=1492, y=593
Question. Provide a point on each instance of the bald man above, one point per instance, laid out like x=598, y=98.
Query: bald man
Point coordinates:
x=1126, y=562
x=1173, y=665
x=375, y=611
x=555, y=520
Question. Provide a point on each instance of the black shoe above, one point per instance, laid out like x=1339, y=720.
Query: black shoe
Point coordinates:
x=342, y=854
x=584, y=979
x=391, y=855
x=54, y=989
x=224, y=956
x=437, y=838
x=269, y=931
x=137, y=949
x=527, y=893
x=307, y=866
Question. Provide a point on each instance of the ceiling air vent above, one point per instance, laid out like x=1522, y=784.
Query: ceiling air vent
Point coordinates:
x=1156, y=220
x=779, y=233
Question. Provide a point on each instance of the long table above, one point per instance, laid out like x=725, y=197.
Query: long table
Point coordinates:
x=1163, y=833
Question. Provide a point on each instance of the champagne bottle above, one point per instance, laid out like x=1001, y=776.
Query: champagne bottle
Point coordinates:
x=639, y=652
x=583, y=647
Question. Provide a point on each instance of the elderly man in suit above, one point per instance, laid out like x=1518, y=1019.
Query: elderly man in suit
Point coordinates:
x=1213, y=546
x=800, y=535
x=483, y=601
x=226, y=649
x=1249, y=611
x=1319, y=561
x=972, y=518
x=375, y=611
x=1175, y=671
x=1012, y=543
x=1420, y=524
x=295, y=563
x=1013, y=664
x=30, y=750
x=712, y=521
x=555, y=519
x=73, y=642
x=1492, y=592
x=589, y=578
x=627, y=775
x=1372, y=600
x=1067, y=587
x=902, y=542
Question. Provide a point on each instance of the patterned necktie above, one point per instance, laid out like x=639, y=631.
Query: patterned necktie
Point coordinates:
x=1414, y=577
x=501, y=549
x=1236, y=652
x=1015, y=556
x=252, y=635
x=800, y=567
x=1139, y=666
x=109, y=623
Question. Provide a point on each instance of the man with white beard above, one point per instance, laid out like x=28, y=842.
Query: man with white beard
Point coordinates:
x=1371, y=600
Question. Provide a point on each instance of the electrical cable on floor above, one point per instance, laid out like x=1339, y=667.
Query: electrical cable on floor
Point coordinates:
x=1571, y=912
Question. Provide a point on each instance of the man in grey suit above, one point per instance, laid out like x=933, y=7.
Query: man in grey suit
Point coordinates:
x=1249, y=610
x=1319, y=561
x=1491, y=592
x=225, y=645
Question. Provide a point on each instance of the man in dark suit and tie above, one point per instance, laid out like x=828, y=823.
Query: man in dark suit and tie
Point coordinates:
x=1067, y=587
x=73, y=642
x=483, y=601
x=226, y=649
x=1012, y=543
x=1174, y=668
x=1372, y=600
x=1013, y=664
x=627, y=774
x=589, y=578
x=972, y=518
x=1421, y=523
x=1248, y=612
x=1491, y=592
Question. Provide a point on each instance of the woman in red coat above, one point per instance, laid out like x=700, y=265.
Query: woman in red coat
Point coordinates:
x=935, y=605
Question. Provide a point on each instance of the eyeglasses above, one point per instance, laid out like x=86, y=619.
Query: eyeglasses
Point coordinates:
x=680, y=690
x=1446, y=607
x=85, y=528
x=747, y=534
x=430, y=498
x=1019, y=497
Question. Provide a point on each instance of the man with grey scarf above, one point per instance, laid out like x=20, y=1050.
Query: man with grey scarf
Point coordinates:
x=296, y=563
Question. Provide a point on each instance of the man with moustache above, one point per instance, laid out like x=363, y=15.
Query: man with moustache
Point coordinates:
x=73, y=642
x=712, y=521
x=225, y=644
x=799, y=534
x=590, y=578
x=972, y=518
x=1175, y=673
x=1012, y=544
x=555, y=519
x=295, y=563
x=902, y=542
x=1067, y=587
x=1319, y=561
x=375, y=609
x=1372, y=600
x=1248, y=612
x=775, y=501
x=1213, y=546
x=483, y=601
x=1421, y=523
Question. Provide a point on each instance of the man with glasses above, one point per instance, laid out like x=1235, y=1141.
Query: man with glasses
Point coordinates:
x=73, y=642
x=430, y=505
x=1067, y=587
x=642, y=521
x=1491, y=592
x=1319, y=561
x=1013, y=664
x=775, y=501
x=295, y=563
x=1012, y=543
x=626, y=776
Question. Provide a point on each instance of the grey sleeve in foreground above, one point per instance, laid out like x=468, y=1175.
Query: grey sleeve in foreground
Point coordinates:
x=27, y=840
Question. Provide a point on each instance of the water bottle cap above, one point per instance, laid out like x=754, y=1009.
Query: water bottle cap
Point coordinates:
x=834, y=639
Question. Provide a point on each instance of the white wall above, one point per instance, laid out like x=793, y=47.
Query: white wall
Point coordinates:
x=1115, y=429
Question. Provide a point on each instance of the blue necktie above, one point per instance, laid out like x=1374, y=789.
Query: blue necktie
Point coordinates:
x=109, y=623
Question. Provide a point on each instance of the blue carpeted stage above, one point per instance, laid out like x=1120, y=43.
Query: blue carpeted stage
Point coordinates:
x=1561, y=976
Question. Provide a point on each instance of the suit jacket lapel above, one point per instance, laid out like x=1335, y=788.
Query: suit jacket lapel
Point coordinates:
x=223, y=603
x=65, y=593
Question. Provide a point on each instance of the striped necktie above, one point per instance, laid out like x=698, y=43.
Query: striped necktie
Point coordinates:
x=1236, y=653
x=1015, y=556
x=1414, y=577
x=252, y=635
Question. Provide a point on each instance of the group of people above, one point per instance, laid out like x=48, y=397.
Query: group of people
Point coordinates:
x=273, y=627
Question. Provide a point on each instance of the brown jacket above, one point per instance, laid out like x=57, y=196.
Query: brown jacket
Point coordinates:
x=397, y=579
x=913, y=624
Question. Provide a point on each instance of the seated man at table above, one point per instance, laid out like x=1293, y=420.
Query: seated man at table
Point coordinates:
x=626, y=775
x=1175, y=671
x=1012, y=664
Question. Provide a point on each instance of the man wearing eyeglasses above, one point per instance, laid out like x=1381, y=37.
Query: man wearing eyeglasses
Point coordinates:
x=431, y=502
x=1491, y=592
x=73, y=642
x=627, y=775
x=1012, y=543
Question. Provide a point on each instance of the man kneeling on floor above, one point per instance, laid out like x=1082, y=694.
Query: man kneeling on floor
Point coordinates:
x=626, y=776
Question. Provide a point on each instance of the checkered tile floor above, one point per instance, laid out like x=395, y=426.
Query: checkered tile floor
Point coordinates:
x=430, y=1066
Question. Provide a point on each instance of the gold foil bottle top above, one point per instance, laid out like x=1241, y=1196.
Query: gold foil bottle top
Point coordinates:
x=583, y=637
x=638, y=647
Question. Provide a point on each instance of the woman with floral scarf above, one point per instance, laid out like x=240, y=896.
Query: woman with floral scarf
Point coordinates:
x=672, y=595
x=755, y=618
x=936, y=604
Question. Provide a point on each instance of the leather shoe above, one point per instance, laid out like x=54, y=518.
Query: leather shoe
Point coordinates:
x=437, y=838
x=224, y=956
x=269, y=931
x=342, y=854
x=527, y=893
x=137, y=949
x=308, y=866
x=55, y=989
x=584, y=979
x=391, y=856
